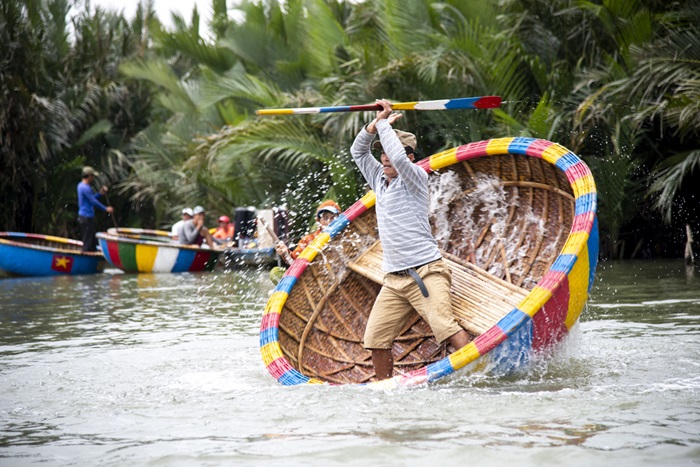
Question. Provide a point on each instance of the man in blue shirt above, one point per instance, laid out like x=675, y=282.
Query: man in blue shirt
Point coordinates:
x=87, y=200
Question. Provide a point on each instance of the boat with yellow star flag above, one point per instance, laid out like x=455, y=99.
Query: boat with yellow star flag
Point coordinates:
x=28, y=254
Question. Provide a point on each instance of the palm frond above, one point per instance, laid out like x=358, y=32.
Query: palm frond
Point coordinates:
x=100, y=127
x=668, y=180
x=322, y=36
x=159, y=73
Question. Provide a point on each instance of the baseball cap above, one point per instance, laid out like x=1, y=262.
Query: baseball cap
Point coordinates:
x=224, y=219
x=330, y=206
x=188, y=211
x=87, y=170
x=406, y=138
x=198, y=210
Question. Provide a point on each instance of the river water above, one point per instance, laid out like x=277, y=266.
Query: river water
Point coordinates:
x=115, y=369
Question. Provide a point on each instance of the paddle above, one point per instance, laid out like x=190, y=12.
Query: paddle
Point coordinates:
x=112, y=213
x=484, y=102
x=287, y=257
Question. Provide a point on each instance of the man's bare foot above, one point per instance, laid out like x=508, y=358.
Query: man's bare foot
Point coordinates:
x=460, y=339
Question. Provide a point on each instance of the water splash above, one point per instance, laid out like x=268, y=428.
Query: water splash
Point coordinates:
x=487, y=223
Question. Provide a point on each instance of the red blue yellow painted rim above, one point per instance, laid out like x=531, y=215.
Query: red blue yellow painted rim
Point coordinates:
x=6, y=238
x=132, y=254
x=58, y=256
x=136, y=231
x=569, y=278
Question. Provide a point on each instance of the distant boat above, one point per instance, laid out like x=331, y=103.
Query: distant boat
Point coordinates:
x=28, y=254
x=141, y=250
x=515, y=219
x=254, y=245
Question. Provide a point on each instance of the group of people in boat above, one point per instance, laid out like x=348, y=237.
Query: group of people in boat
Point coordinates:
x=190, y=230
x=416, y=275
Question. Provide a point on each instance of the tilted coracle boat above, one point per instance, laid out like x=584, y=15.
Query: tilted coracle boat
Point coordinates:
x=516, y=221
x=139, y=250
x=28, y=254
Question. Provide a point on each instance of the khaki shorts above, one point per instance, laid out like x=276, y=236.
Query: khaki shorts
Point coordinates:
x=398, y=298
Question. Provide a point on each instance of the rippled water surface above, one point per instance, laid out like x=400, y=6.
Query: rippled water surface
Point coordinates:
x=115, y=369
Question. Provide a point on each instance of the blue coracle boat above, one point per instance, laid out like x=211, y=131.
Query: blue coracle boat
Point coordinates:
x=27, y=254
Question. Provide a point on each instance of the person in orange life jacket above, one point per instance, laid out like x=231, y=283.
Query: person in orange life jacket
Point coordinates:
x=326, y=213
x=87, y=201
x=225, y=230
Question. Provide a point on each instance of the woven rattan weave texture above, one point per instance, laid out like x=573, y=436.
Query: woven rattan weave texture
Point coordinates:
x=512, y=229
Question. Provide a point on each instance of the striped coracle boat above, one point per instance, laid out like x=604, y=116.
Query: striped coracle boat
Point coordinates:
x=516, y=221
x=139, y=250
x=28, y=254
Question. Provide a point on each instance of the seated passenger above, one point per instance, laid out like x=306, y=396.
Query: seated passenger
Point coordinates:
x=187, y=214
x=225, y=230
x=193, y=232
x=326, y=213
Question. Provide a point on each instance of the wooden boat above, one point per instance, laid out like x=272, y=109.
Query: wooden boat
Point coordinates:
x=516, y=221
x=237, y=257
x=162, y=236
x=140, y=250
x=255, y=245
x=27, y=254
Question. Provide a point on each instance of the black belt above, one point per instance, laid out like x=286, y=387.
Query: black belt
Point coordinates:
x=416, y=277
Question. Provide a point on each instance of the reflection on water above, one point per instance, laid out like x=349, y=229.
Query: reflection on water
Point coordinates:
x=118, y=369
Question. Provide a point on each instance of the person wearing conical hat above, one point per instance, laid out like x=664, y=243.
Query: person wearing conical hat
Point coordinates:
x=87, y=202
x=326, y=213
x=416, y=277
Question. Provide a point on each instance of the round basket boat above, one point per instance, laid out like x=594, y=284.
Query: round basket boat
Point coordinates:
x=515, y=219
x=139, y=250
x=28, y=254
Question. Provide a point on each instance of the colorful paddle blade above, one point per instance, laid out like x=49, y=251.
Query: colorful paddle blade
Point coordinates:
x=484, y=102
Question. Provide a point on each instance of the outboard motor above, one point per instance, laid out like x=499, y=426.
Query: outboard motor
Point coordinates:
x=246, y=225
x=281, y=217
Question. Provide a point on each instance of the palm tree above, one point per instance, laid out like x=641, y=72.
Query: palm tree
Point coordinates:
x=667, y=86
x=61, y=106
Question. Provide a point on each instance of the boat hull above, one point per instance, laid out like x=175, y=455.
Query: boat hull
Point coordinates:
x=25, y=254
x=132, y=254
x=239, y=257
x=535, y=247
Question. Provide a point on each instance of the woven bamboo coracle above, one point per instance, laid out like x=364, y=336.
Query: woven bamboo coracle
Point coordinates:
x=515, y=220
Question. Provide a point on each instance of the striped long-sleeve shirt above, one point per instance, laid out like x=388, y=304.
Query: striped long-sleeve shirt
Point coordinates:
x=402, y=205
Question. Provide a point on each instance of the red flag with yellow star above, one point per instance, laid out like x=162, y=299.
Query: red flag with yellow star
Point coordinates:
x=62, y=263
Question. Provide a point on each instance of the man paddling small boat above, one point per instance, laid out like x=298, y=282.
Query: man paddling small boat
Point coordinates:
x=87, y=201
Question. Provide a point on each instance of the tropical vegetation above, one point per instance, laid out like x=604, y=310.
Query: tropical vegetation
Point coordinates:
x=169, y=113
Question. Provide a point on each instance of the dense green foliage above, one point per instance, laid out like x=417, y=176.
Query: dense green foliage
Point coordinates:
x=169, y=115
x=64, y=105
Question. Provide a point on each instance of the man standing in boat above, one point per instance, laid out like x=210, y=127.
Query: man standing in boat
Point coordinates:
x=416, y=276
x=87, y=201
